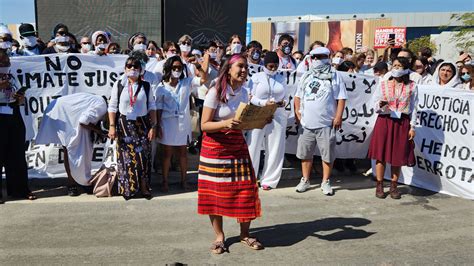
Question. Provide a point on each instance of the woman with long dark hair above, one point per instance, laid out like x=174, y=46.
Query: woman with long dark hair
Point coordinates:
x=227, y=185
x=132, y=119
x=394, y=132
x=174, y=117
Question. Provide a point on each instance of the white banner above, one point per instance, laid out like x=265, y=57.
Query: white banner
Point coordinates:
x=353, y=138
x=444, y=142
x=47, y=77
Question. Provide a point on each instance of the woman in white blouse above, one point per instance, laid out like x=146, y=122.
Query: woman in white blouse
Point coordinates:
x=132, y=116
x=174, y=118
x=268, y=88
x=226, y=184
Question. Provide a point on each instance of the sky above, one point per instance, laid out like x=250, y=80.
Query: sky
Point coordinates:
x=17, y=11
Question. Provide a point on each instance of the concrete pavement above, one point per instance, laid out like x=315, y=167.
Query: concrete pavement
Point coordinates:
x=350, y=228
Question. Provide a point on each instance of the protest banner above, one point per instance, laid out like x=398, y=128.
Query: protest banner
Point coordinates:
x=353, y=139
x=444, y=149
x=382, y=35
x=47, y=77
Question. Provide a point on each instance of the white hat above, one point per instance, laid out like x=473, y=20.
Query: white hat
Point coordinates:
x=320, y=50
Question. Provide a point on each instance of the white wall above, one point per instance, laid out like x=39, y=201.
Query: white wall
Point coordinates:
x=447, y=49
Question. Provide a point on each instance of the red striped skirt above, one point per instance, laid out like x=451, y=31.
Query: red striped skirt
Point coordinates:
x=390, y=142
x=226, y=184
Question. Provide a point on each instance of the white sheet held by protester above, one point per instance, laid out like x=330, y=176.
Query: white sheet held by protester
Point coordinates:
x=61, y=124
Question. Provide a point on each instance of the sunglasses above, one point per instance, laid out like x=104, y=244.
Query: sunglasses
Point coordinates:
x=464, y=73
x=61, y=33
x=186, y=43
x=176, y=68
x=129, y=66
x=86, y=42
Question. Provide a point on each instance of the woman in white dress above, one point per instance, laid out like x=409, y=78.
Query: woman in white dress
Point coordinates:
x=174, y=119
x=268, y=88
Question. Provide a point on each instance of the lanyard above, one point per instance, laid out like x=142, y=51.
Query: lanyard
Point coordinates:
x=133, y=98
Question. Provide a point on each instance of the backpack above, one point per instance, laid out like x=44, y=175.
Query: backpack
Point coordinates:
x=146, y=86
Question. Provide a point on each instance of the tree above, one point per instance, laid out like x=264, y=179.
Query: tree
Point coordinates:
x=415, y=45
x=464, y=35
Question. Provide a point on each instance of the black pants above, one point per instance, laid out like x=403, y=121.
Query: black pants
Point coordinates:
x=12, y=153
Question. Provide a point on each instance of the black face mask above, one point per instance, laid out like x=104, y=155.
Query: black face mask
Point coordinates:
x=255, y=55
x=286, y=49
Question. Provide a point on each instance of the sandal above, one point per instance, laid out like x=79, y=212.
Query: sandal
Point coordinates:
x=266, y=187
x=252, y=242
x=218, y=247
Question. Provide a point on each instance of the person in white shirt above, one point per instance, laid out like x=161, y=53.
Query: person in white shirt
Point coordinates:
x=227, y=185
x=86, y=45
x=269, y=88
x=132, y=116
x=100, y=39
x=319, y=104
x=446, y=75
x=285, y=47
x=422, y=67
x=68, y=121
x=174, y=118
x=12, y=134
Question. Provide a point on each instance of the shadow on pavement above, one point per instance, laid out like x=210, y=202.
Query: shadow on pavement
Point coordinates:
x=329, y=229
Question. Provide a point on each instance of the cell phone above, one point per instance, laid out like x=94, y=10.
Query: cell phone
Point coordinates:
x=391, y=36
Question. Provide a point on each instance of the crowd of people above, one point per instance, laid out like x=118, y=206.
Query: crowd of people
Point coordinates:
x=148, y=106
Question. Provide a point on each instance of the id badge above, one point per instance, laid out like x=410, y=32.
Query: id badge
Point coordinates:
x=395, y=114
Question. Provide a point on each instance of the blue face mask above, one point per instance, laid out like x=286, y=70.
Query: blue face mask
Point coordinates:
x=466, y=77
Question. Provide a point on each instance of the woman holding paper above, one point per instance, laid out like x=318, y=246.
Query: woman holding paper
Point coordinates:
x=227, y=185
x=394, y=132
x=268, y=88
x=174, y=118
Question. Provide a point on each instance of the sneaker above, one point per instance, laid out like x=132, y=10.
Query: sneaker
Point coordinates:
x=302, y=186
x=326, y=188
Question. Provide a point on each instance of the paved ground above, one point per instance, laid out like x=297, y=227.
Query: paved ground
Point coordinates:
x=351, y=228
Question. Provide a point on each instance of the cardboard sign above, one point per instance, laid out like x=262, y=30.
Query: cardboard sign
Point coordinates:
x=253, y=116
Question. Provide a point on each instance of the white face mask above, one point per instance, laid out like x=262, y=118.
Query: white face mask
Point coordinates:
x=176, y=74
x=396, y=73
x=100, y=47
x=213, y=55
x=4, y=70
x=86, y=48
x=320, y=62
x=62, y=48
x=337, y=60
x=29, y=41
x=185, y=48
x=5, y=45
x=132, y=73
x=139, y=47
x=235, y=48
x=269, y=72
x=170, y=54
